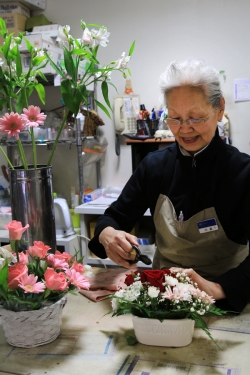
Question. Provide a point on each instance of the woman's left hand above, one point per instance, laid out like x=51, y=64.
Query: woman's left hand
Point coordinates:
x=212, y=289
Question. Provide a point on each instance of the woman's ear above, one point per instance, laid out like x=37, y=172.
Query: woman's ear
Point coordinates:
x=221, y=109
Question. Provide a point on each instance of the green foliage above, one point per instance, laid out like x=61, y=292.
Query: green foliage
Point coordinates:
x=74, y=82
x=16, y=84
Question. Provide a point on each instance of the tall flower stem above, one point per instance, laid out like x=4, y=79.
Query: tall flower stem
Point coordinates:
x=14, y=248
x=33, y=146
x=22, y=155
x=6, y=157
x=57, y=137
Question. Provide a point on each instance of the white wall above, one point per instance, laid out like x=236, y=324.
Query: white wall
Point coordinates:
x=216, y=31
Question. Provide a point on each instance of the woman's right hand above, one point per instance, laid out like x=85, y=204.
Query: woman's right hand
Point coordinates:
x=117, y=245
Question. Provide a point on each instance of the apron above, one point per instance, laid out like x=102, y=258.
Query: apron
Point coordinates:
x=210, y=254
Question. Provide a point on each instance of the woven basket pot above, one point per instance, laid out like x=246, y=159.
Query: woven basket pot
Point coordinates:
x=28, y=329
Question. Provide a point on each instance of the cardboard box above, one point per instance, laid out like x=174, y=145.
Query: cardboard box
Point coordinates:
x=55, y=56
x=14, y=20
x=40, y=41
x=50, y=30
x=14, y=7
x=35, y=4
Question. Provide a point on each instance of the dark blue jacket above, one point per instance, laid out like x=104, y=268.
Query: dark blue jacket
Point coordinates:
x=218, y=177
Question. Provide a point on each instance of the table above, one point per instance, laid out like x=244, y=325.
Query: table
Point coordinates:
x=91, y=343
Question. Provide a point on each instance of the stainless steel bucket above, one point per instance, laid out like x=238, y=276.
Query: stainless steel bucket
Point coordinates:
x=32, y=203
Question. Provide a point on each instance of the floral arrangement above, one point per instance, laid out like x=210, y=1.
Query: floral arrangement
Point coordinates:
x=162, y=294
x=34, y=278
x=16, y=85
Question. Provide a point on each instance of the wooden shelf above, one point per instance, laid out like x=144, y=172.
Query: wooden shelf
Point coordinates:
x=150, y=140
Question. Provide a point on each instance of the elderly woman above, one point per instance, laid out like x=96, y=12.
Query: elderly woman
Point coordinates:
x=198, y=192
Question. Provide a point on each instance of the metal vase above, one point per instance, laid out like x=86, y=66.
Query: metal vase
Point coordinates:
x=32, y=203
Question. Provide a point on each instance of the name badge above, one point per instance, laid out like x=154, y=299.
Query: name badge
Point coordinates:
x=206, y=226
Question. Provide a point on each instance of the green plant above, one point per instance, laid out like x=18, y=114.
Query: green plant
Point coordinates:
x=79, y=69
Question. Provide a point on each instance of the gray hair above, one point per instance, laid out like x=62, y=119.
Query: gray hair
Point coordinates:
x=194, y=73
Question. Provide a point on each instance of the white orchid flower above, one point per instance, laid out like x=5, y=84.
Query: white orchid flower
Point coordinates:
x=101, y=36
x=87, y=37
x=63, y=34
x=122, y=62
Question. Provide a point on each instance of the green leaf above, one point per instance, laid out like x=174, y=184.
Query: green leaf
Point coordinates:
x=69, y=64
x=66, y=90
x=104, y=109
x=131, y=50
x=54, y=66
x=131, y=340
x=19, y=68
x=30, y=47
x=29, y=91
x=36, y=61
x=6, y=46
x=41, y=92
x=105, y=93
x=4, y=276
x=21, y=101
x=47, y=293
x=3, y=25
x=38, y=72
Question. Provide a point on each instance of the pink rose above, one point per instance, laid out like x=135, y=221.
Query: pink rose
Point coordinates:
x=15, y=229
x=63, y=256
x=15, y=272
x=24, y=258
x=59, y=264
x=38, y=250
x=78, y=267
x=55, y=280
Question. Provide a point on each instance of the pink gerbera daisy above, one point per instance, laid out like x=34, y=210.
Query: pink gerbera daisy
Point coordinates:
x=12, y=123
x=33, y=116
x=77, y=279
x=29, y=284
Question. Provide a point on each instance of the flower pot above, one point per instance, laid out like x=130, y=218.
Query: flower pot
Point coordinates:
x=169, y=332
x=28, y=329
x=32, y=203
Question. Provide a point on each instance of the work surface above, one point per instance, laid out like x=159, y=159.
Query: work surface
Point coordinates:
x=93, y=344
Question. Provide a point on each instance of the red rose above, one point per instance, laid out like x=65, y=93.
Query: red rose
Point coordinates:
x=155, y=278
x=129, y=279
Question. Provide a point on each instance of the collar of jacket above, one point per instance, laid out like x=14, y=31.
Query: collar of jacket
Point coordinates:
x=207, y=153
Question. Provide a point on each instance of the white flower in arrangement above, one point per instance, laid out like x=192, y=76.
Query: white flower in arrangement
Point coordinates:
x=5, y=254
x=153, y=292
x=172, y=281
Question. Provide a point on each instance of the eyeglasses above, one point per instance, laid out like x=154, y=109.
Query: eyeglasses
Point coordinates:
x=190, y=121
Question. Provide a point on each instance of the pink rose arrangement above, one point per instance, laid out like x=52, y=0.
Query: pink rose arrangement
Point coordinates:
x=162, y=294
x=33, y=278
